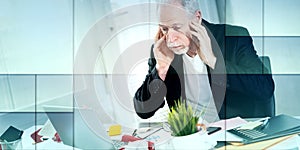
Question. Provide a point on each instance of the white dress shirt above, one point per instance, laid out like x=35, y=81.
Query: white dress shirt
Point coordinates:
x=197, y=87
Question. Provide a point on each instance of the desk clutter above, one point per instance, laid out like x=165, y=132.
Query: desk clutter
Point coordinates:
x=268, y=128
x=238, y=133
x=263, y=145
x=267, y=133
x=44, y=133
x=142, y=138
x=114, y=130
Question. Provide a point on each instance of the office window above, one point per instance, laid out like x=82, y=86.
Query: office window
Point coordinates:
x=36, y=37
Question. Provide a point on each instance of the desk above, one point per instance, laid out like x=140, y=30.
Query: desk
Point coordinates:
x=292, y=143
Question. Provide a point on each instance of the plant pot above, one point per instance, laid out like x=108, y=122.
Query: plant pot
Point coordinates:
x=198, y=140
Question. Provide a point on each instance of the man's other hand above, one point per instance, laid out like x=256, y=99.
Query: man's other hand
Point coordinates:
x=203, y=43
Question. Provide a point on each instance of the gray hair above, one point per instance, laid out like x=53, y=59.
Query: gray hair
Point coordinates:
x=191, y=6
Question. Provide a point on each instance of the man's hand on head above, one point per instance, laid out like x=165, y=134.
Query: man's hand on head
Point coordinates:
x=164, y=56
x=203, y=43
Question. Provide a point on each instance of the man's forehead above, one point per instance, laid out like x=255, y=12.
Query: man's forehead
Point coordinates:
x=172, y=14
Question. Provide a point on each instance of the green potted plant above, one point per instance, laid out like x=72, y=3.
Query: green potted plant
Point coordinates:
x=182, y=119
x=183, y=122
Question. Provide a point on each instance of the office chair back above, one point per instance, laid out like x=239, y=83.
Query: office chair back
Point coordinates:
x=266, y=61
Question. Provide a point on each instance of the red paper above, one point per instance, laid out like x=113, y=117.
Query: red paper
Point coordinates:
x=129, y=138
x=151, y=146
x=56, y=137
x=36, y=137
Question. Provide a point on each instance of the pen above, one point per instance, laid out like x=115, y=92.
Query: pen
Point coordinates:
x=152, y=133
x=134, y=132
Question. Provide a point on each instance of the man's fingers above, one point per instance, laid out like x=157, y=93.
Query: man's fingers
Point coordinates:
x=197, y=35
x=200, y=21
x=194, y=25
x=194, y=33
x=161, y=48
x=161, y=40
x=197, y=27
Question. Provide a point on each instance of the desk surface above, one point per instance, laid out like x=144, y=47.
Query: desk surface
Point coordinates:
x=27, y=122
x=27, y=142
x=292, y=143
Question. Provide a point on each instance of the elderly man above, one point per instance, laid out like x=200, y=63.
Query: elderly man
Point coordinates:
x=189, y=59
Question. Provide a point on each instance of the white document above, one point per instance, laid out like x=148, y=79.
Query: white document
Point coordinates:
x=48, y=130
x=250, y=125
x=227, y=124
x=223, y=135
x=292, y=143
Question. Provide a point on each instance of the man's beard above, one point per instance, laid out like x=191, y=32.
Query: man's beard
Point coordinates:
x=177, y=51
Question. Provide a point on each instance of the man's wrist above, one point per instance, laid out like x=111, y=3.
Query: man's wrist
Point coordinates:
x=212, y=62
x=162, y=71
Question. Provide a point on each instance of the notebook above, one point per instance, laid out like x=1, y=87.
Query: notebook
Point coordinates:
x=277, y=126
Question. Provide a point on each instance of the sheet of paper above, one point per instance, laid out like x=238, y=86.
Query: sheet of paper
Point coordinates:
x=48, y=130
x=229, y=123
x=290, y=143
x=223, y=135
x=259, y=145
x=140, y=144
x=250, y=125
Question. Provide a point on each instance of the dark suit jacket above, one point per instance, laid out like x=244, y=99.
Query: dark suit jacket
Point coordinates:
x=238, y=83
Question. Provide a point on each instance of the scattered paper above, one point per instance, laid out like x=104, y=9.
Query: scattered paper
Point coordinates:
x=291, y=143
x=223, y=135
x=48, y=130
x=140, y=144
x=250, y=125
x=264, y=145
x=229, y=123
